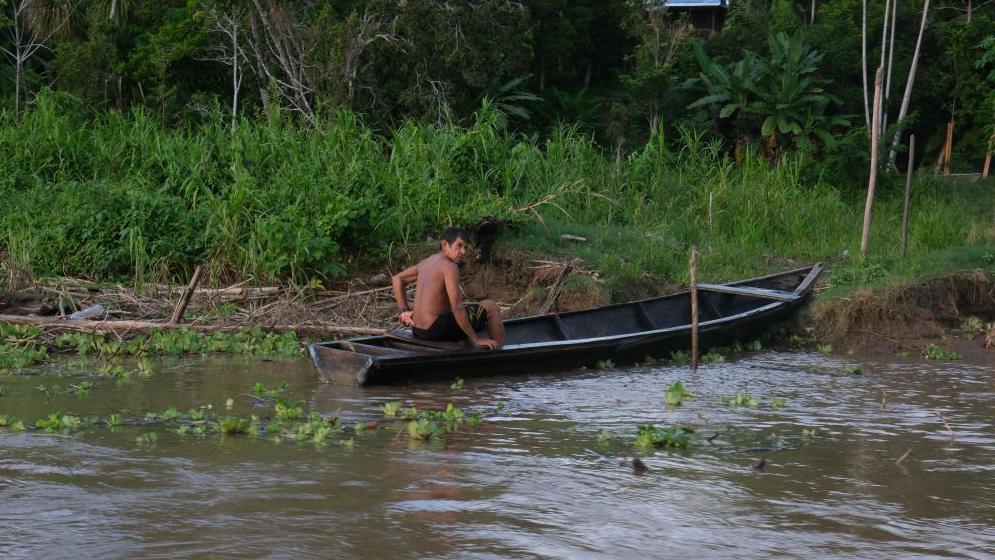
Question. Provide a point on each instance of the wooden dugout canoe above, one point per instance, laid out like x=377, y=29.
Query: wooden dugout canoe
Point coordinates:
x=623, y=333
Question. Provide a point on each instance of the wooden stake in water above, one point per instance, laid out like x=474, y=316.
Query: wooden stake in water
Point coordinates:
x=908, y=195
x=694, y=309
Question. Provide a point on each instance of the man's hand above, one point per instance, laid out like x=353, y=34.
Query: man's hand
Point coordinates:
x=487, y=343
x=406, y=318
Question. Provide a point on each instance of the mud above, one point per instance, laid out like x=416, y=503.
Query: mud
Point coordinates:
x=955, y=311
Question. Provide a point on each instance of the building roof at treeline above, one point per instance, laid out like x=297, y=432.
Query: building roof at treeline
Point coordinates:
x=693, y=3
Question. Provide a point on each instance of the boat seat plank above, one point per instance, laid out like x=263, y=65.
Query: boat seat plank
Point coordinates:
x=764, y=293
x=558, y=327
x=644, y=317
x=405, y=336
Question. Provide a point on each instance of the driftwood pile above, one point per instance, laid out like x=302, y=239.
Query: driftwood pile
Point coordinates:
x=355, y=309
x=352, y=308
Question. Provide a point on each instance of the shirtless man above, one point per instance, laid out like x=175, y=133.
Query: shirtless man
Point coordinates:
x=439, y=313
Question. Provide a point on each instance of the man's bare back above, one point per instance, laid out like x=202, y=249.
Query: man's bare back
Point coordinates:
x=438, y=311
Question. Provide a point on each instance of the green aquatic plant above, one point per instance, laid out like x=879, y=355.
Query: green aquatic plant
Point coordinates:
x=605, y=364
x=742, y=399
x=115, y=419
x=809, y=432
x=972, y=326
x=713, y=357
x=232, y=425
x=851, y=369
x=680, y=357
x=457, y=384
x=825, y=348
x=115, y=370
x=144, y=368
x=604, y=438
x=80, y=389
x=286, y=411
x=147, y=439
x=195, y=414
x=676, y=394
x=11, y=423
x=937, y=352
x=390, y=409
x=170, y=414
x=777, y=402
x=58, y=422
x=652, y=437
x=424, y=429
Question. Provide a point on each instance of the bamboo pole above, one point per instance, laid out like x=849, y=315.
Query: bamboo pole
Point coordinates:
x=988, y=165
x=124, y=326
x=694, y=308
x=872, y=180
x=908, y=195
x=181, y=304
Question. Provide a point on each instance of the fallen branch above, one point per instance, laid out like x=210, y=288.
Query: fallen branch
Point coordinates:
x=554, y=292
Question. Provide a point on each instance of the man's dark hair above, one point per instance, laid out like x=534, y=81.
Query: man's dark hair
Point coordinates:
x=451, y=234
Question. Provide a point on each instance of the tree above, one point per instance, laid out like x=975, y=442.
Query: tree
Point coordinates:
x=229, y=26
x=904, y=109
x=779, y=94
x=29, y=29
x=729, y=91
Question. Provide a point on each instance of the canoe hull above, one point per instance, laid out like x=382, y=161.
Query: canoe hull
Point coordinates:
x=342, y=363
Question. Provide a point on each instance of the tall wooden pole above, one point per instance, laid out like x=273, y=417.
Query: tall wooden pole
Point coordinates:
x=948, y=147
x=908, y=195
x=872, y=181
x=694, y=308
x=988, y=164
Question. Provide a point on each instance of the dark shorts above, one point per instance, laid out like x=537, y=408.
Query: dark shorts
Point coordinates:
x=446, y=328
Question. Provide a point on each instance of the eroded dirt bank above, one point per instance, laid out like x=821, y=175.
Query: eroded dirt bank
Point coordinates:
x=955, y=312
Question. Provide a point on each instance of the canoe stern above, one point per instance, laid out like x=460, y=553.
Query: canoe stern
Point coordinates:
x=340, y=367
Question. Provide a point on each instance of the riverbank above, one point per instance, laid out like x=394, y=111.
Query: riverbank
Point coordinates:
x=938, y=305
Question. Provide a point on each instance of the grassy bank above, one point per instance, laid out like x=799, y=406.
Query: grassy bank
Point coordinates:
x=118, y=197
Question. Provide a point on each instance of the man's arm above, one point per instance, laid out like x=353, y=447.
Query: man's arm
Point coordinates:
x=451, y=276
x=399, y=281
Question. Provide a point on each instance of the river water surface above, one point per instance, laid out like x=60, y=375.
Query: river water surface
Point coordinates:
x=541, y=477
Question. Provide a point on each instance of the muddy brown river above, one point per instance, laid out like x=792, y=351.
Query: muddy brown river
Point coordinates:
x=540, y=477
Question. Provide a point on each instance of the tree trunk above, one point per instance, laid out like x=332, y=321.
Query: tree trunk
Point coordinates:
x=17, y=89
x=908, y=195
x=891, y=51
x=863, y=58
x=811, y=20
x=872, y=181
x=903, y=111
x=948, y=147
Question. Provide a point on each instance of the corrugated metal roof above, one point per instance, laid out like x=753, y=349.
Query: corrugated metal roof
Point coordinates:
x=695, y=3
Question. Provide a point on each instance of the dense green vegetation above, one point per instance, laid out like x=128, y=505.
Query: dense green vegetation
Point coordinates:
x=351, y=129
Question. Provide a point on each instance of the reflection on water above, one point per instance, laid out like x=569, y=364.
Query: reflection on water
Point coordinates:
x=532, y=481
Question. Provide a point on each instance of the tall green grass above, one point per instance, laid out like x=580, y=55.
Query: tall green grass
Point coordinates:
x=122, y=196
